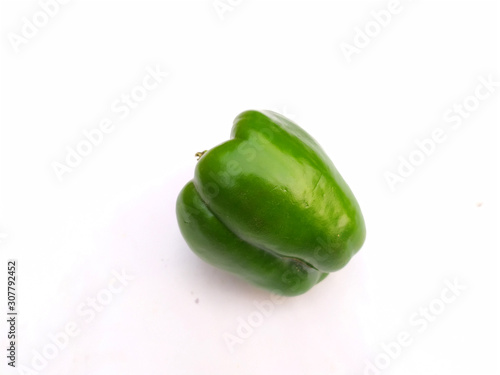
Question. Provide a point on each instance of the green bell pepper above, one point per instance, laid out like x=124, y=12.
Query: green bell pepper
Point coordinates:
x=269, y=206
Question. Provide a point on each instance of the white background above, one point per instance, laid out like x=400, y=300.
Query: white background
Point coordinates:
x=115, y=211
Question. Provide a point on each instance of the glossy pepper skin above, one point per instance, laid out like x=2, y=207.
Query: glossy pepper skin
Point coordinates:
x=269, y=206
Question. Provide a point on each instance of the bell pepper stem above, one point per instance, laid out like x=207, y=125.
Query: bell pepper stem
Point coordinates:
x=199, y=154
